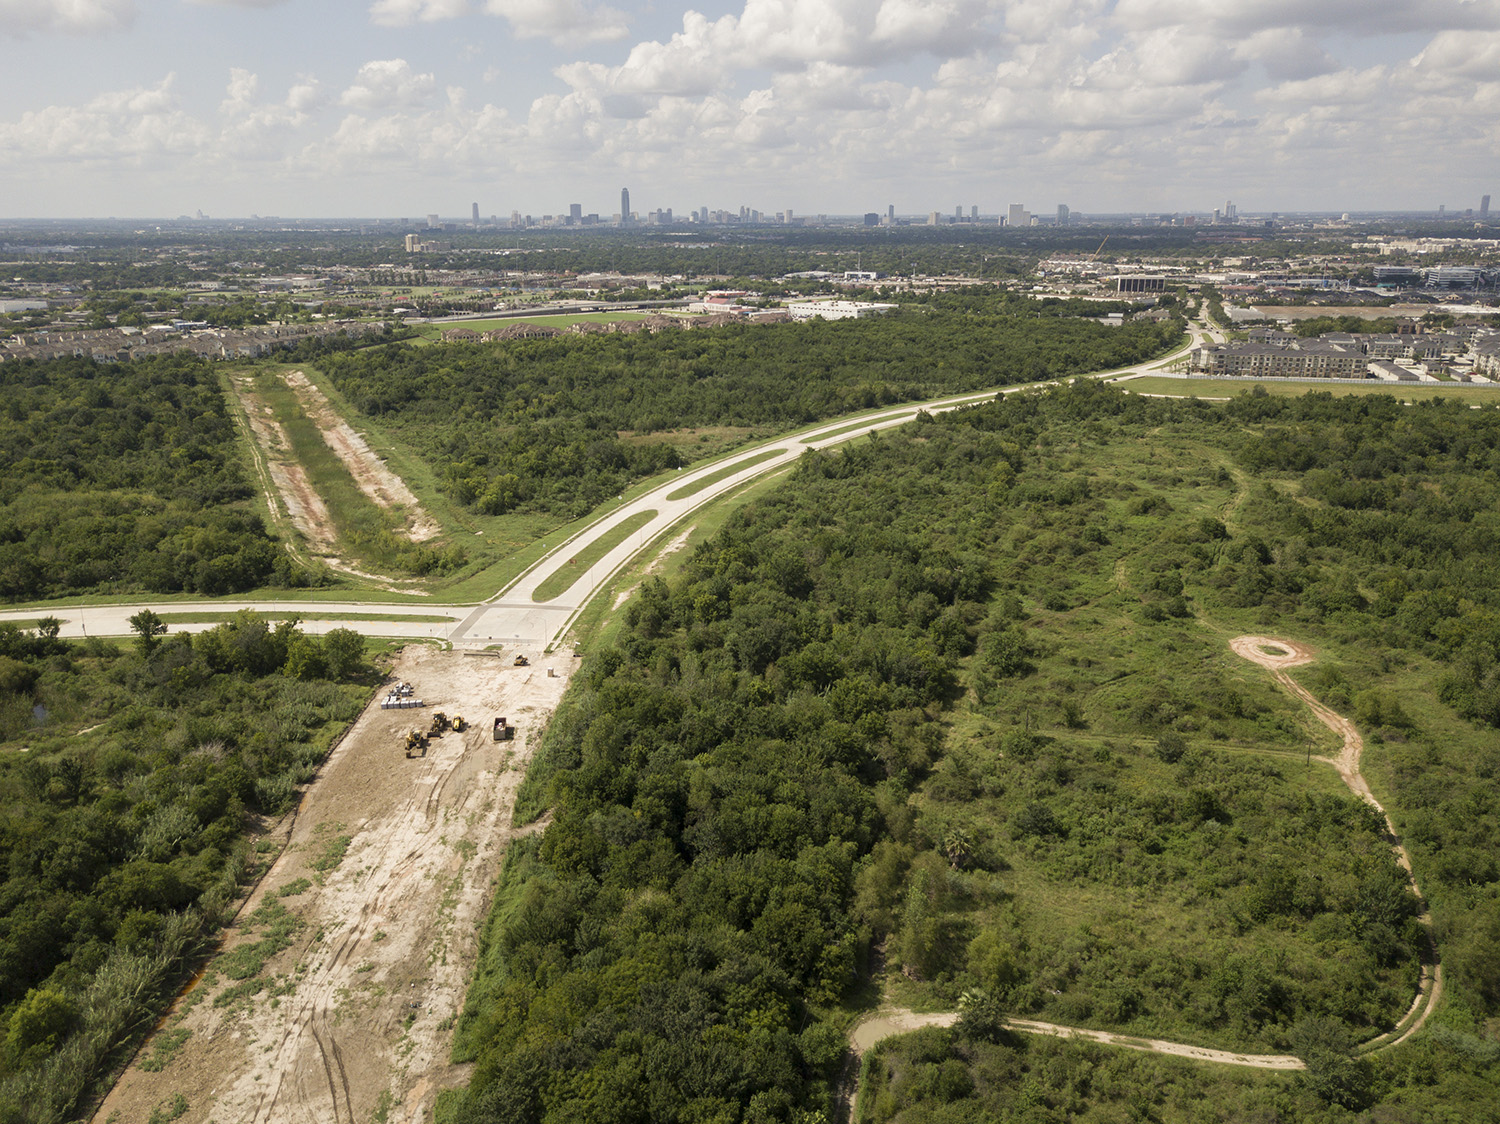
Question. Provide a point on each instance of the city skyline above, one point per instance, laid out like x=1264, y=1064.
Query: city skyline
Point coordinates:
x=241, y=107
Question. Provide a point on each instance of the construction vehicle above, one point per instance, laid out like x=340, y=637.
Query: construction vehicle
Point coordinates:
x=458, y=724
x=439, y=724
x=504, y=731
x=521, y=661
x=416, y=740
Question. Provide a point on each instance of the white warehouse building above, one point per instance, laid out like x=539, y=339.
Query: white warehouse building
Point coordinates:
x=835, y=310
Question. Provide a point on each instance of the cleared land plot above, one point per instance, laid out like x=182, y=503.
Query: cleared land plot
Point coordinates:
x=369, y=471
x=335, y=993
x=435, y=331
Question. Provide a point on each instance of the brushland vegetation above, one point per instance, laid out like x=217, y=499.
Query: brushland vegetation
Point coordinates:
x=116, y=478
x=129, y=780
x=958, y=702
x=559, y=425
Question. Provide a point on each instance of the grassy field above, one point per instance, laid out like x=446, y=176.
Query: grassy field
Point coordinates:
x=565, y=320
x=1220, y=388
x=311, y=615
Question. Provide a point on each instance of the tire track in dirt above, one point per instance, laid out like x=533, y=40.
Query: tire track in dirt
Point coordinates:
x=375, y=479
x=357, y=1015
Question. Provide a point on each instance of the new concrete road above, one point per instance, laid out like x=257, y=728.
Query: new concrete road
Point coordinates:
x=514, y=617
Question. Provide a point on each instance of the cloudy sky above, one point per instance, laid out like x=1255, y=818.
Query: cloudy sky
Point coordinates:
x=315, y=108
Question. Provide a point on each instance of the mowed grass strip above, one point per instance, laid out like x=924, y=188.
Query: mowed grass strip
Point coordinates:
x=215, y=618
x=562, y=320
x=363, y=528
x=1405, y=392
x=867, y=424
x=722, y=474
x=561, y=580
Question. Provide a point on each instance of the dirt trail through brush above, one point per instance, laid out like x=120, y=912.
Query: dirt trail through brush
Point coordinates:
x=374, y=478
x=391, y=862
x=1276, y=656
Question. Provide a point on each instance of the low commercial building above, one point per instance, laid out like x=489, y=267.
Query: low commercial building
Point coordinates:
x=835, y=310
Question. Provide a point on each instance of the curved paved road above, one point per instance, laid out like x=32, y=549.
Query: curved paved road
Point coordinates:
x=513, y=617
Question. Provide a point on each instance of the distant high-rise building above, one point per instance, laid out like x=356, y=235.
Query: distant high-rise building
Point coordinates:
x=1484, y=207
x=974, y=213
x=575, y=213
x=1231, y=212
x=624, y=206
x=890, y=215
x=958, y=213
x=1442, y=209
x=412, y=241
x=934, y=219
x=433, y=222
x=789, y=216
x=872, y=218
x=1017, y=215
x=475, y=219
x=1062, y=214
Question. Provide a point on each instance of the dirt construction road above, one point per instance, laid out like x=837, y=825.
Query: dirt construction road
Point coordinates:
x=354, y=1016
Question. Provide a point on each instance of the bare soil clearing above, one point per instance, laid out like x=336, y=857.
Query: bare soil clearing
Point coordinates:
x=374, y=478
x=287, y=486
x=358, y=1012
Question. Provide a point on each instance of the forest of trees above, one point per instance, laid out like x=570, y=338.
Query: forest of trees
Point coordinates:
x=535, y=424
x=126, y=477
x=949, y=689
x=122, y=846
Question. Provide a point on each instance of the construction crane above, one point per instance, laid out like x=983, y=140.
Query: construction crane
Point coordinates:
x=1100, y=250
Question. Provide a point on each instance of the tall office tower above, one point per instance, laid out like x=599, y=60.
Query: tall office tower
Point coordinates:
x=412, y=242
x=475, y=219
x=1442, y=209
x=890, y=215
x=433, y=222
x=974, y=213
x=1231, y=212
x=934, y=219
x=958, y=213
x=1062, y=214
x=575, y=213
x=789, y=216
x=1484, y=207
x=1017, y=216
x=624, y=206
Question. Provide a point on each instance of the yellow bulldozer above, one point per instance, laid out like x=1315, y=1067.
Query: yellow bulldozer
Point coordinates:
x=416, y=744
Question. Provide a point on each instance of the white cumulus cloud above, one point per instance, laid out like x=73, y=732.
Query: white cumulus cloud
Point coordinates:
x=387, y=83
x=23, y=17
x=562, y=21
x=401, y=13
